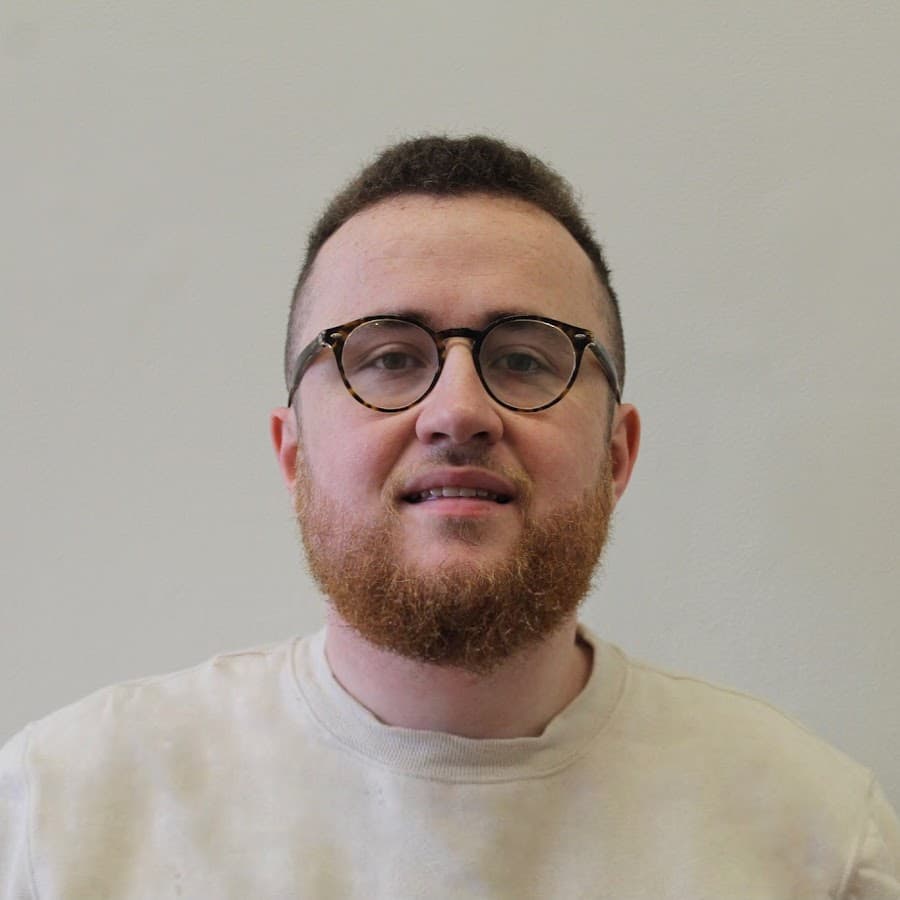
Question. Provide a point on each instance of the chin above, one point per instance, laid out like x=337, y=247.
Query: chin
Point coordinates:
x=447, y=554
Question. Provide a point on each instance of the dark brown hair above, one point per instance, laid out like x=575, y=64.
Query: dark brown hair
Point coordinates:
x=448, y=167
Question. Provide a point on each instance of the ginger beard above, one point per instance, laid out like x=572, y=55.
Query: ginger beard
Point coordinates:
x=459, y=615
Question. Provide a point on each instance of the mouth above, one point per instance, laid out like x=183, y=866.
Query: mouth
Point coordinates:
x=439, y=493
x=459, y=487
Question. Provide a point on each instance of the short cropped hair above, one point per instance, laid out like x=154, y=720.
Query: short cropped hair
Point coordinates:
x=454, y=167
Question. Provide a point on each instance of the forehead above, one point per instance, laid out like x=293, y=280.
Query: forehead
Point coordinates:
x=453, y=262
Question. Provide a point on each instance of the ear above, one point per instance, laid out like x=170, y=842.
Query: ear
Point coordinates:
x=283, y=428
x=624, y=443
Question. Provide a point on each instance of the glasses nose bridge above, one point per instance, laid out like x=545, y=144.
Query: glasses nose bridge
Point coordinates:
x=447, y=338
x=443, y=339
x=469, y=334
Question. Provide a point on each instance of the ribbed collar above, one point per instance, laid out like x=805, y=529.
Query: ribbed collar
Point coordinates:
x=447, y=757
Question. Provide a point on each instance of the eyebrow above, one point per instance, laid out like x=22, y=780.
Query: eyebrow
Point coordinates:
x=428, y=320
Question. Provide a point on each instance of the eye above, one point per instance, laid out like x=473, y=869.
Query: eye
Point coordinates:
x=395, y=360
x=518, y=362
x=388, y=359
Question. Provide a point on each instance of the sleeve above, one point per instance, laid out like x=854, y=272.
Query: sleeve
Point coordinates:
x=875, y=872
x=15, y=865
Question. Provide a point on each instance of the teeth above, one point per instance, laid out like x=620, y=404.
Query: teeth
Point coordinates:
x=435, y=493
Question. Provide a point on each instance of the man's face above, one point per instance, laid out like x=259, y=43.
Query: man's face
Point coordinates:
x=450, y=263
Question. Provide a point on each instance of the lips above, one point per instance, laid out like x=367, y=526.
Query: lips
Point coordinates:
x=438, y=493
x=472, y=484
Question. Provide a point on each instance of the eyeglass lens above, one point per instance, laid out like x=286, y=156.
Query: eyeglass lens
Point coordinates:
x=391, y=364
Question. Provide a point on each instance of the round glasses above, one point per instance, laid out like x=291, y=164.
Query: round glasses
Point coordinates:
x=389, y=363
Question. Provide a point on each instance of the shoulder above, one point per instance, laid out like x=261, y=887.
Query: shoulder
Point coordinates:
x=116, y=724
x=729, y=759
x=714, y=719
x=126, y=770
x=741, y=756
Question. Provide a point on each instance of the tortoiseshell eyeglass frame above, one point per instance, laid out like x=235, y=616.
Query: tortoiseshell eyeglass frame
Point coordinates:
x=581, y=339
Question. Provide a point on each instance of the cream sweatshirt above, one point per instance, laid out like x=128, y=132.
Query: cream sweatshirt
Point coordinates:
x=255, y=776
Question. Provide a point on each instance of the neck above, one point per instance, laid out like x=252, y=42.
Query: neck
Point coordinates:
x=518, y=699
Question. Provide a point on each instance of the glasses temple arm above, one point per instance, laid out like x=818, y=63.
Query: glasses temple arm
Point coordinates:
x=307, y=354
x=609, y=368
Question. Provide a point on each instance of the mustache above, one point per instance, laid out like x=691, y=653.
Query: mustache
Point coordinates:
x=474, y=455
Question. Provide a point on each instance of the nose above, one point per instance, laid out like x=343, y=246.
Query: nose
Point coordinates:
x=458, y=409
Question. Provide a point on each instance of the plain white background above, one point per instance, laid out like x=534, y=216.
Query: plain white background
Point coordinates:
x=161, y=163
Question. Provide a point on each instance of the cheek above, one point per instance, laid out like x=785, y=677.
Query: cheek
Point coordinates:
x=567, y=460
x=565, y=476
x=351, y=459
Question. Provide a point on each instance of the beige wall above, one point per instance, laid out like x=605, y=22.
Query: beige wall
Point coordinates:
x=160, y=164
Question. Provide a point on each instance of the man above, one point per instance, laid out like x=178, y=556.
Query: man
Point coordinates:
x=454, y=442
